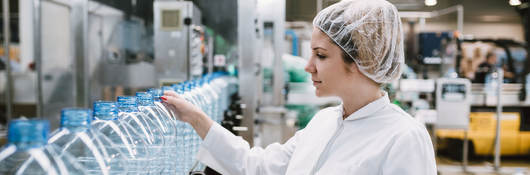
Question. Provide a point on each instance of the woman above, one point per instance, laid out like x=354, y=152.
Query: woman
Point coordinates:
x=357, y=46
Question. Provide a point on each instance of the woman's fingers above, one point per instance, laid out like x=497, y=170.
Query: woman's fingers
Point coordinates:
x=172, y=100
x=171, y=93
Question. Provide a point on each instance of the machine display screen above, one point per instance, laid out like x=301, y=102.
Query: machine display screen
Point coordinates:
x=453, y=92
x=170, y=19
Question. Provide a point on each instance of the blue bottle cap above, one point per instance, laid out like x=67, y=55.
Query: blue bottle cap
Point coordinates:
x=156, y=93
x=127, y=104
x=105, y=110
x=76, y=117
x=166, y=88
x=30, y=133
x=175, y=87
x=144, y=99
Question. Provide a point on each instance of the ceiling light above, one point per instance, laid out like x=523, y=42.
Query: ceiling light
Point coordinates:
x=512, y=2
x=433, y=2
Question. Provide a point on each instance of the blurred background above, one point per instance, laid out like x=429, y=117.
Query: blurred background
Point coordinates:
x=466, y=77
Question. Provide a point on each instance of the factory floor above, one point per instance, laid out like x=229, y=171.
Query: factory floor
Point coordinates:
x=484, y=166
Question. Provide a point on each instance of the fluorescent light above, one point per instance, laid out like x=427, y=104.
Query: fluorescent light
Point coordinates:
x=430, y=2
x=512, y=2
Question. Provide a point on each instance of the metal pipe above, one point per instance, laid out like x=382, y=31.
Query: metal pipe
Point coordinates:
x=37, y=55
x=9, y=93
x=319, y=5
x=210, y=54
x=79, y=41
x=278, y=40
x=247, y=62
x=465, y=151
x=460, y=19
x=497, y=159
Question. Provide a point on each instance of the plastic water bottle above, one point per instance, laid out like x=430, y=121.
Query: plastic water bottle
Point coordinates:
x=150, y=131
x=27, y=152
x=223, y=86
x=123, y=135
x=166, y=123
x=91, y=149
x=157, y=93
x=214, y=98
x=182, y=135
x=215, y=87
x=176, y=156
x=206, y=96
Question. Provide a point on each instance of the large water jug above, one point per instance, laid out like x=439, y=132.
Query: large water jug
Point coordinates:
x=94, y=151
x=166, y=123
x=157, y=93
x=216, y=88
x=27, y=151
x=214, y=97
x=147, y=127
x=206, y=96
x=191, y=139
x=125, y=137
x=184, y=134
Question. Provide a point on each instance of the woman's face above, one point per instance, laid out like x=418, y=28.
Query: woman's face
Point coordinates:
x=328, y=71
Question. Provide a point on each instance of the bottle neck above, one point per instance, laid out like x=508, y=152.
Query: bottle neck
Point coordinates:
x=145, y=103
x=106, y=117
x=74, y=128
x=128, y=108
x=22, y=146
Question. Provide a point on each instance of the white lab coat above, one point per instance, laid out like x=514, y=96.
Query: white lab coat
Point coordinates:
x=379, y=138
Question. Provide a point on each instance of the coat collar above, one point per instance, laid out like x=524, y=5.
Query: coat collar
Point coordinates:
x=366, y=110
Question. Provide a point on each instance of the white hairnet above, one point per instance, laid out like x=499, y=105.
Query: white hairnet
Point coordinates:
x=369, y=31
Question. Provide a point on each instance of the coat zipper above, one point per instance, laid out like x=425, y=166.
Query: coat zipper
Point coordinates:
x=326, y=149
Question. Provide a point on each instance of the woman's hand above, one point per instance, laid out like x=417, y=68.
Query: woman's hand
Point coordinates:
x=187, y=112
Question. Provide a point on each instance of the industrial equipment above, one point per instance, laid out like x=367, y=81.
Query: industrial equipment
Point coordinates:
x=453, y=103
x=177, y=41
x=481, y=135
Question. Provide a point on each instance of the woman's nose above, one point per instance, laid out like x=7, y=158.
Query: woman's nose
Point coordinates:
x=310, y=67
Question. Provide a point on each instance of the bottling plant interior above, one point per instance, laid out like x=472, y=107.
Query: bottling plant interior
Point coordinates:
x=419, y=87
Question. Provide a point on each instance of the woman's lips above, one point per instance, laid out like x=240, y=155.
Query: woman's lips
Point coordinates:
x=316, y=82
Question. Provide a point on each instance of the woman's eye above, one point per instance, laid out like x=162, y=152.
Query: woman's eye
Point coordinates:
x=320, y=56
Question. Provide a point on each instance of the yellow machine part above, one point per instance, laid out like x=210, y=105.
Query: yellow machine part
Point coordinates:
x=482, y=134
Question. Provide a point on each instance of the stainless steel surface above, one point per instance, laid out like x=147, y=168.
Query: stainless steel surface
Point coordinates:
x=271, y=41
x=459, y=9
x=247, y=63
x=172, y=44
x=37, y=55
x=210, y=54
x=79, y=43
x=279, y=36
x=453, y=96
x=125, y=62
x=319, y=5
x=9, y=85
x=460, y=18
x=276, y=125
x=484, y=95
x=497, y=159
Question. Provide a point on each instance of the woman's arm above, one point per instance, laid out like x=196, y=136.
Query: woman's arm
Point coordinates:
x=188, y=113
x=225, y=152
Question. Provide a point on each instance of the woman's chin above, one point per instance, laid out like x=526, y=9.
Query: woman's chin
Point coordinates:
x=319, y=93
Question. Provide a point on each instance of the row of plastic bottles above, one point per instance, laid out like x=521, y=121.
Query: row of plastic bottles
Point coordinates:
x=135, y=135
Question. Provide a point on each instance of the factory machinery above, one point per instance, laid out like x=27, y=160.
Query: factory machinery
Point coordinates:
x=83, y=51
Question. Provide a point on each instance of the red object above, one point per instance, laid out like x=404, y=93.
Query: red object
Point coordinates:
x=163, y=98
